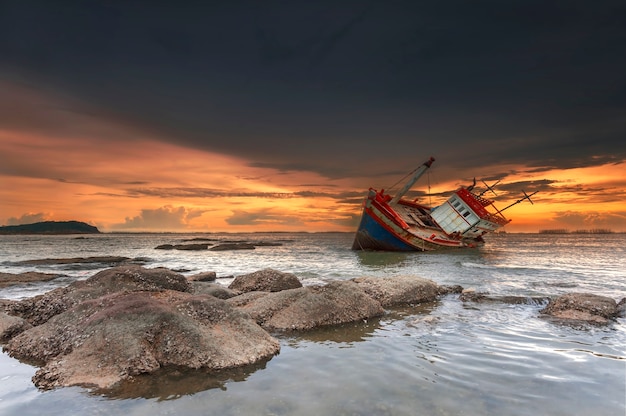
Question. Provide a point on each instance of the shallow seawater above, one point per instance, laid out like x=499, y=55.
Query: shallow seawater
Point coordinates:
x=444, y=358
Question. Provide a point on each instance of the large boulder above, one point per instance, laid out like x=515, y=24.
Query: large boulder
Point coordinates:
x=103, y=341
x=309, y=307
x=39, y=309
x=266, y=280
x=399, y=290
x=582, y=307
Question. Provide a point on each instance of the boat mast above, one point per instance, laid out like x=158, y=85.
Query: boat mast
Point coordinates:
x=416, y=175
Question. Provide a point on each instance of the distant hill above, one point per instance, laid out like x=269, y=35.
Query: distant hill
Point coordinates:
x=51, y=227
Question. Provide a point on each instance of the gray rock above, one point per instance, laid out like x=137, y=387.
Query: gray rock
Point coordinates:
x=232, y=246
x=213, y=289
x=39, y=309
x=191, y=246
x=621, y=308
x=267, y=280
x=309, y=307
x=399, y=290
x=103, y=341
x=11, y=326
x=195, y=246
x=582, y=307
x=203, y=277
x=8, y=279
x=75, y=260
x=470, y=295
x=447, y=289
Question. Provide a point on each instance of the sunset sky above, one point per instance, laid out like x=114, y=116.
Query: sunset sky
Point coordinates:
x=279, y=115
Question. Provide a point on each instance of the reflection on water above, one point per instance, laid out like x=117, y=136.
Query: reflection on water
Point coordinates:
x=346, y=334
x=380, y=258
x=173, y=382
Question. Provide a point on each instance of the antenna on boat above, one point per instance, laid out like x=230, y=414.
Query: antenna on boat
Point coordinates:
x=416, y=175
x=526, y=196
x=489, y=188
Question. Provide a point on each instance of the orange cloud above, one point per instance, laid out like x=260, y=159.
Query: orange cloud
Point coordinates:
x=67, y=165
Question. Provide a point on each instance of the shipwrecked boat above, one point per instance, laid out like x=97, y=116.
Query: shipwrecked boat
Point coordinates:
x=393, y=223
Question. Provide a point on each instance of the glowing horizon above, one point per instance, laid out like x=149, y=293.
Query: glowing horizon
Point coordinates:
x=150, y=186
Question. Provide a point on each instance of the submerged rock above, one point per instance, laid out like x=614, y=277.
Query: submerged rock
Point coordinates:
x=103, y=341
x=196, y=246
x=232, y=246
x=582, y=307
x=74, y=260
x=266, y=280
x=8, y=279
x=306, y=308
x=470, y=295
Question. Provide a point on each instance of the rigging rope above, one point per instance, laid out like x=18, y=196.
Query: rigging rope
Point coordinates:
x=430, y=202
x=402, y=178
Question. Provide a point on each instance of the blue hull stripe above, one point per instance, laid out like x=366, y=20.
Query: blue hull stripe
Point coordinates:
x=371, y=235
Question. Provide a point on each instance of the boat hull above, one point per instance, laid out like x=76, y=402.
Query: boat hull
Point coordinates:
x=371, y=235
x=382, y=228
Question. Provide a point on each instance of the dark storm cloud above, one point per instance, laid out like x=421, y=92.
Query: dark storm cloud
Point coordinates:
x=329, y=86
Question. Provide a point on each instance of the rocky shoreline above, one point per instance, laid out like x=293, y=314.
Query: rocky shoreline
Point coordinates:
x=129, y=320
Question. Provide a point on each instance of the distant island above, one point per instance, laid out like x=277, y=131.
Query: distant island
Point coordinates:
x=566, y=231
x=50, y=227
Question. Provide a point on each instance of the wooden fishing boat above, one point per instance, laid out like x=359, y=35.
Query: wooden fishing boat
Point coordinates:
x=398, y=224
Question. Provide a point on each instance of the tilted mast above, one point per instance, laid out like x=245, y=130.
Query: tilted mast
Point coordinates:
x=416, y=175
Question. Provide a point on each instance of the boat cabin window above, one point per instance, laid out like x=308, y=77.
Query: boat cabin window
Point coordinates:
x=466, y=214
x=456, y=204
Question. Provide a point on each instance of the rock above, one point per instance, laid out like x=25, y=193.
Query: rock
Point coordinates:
x=621, y=308
x=582, y=307
x=11, y=326
x=103, y=341
x=266, y=244
x=213, y=289
x=309, y=307
x=447, y=289
x=191, y=246
x=8, y=279
x=470, y=295
x=267, y=280
x=203, y=277
x=196, y=246
x=100, y=259
x=398, y=290
x=39, y=309
x=232, y=246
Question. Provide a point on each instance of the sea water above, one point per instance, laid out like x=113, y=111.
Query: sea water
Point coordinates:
x=444, y=358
